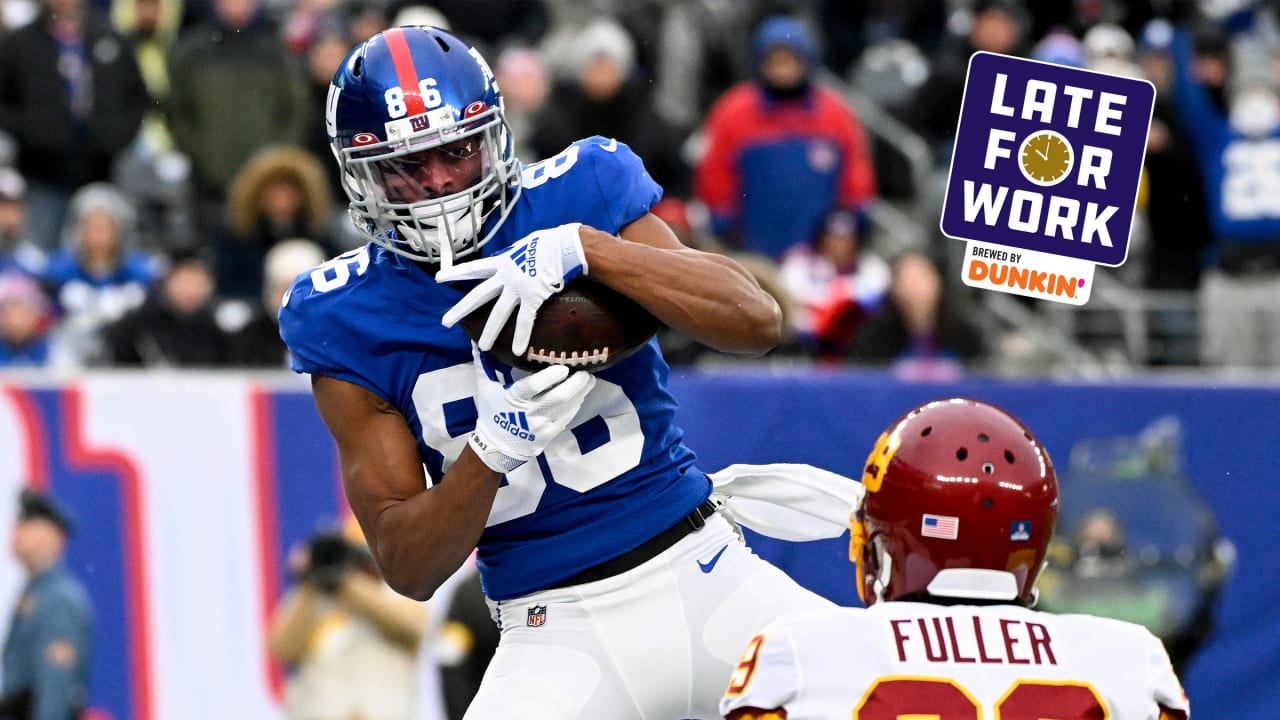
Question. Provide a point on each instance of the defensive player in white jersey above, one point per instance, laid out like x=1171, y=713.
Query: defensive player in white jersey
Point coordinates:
x=620, y=590
x=961, y=500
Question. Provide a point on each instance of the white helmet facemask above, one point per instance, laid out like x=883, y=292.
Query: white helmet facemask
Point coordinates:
x=443, y=229
x=389, y=202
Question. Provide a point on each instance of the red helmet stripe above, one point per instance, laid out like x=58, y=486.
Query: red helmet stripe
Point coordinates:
x=405, y=72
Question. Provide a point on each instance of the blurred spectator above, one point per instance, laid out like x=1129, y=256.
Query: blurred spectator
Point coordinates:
x=835, y=283
x=781, y=149
x=175, y=326
x=308, y=21
x=349, y=640
x=1231, y=115
x=150, y=27
x=522, y=75
x=152, y=172
x=850, y=27
x=1176, y=211
x=47, y=651
x=921, y=329
x=467, y=643
x=997, y=26
x=1109, y=48
x=329, y=47
x=17, y=252
x=72, y=97
x=417, y=13
x=257, y=342
x=605, y=97
x=280, y=193
x=700, y=54
x=489, y=25
x=97, y=276
x=1059, y=47
x=235, y=88
x=26, y=317
x=1141, y=544
x=366, y=20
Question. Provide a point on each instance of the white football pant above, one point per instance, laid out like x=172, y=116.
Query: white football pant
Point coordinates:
x=657, y=642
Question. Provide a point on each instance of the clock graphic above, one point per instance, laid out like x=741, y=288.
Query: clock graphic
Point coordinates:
x=1045, y=157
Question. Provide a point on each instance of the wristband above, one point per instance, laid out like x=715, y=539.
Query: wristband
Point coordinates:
x=495, y=459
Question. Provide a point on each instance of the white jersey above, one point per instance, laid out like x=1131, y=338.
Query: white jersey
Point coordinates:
x=906, y=659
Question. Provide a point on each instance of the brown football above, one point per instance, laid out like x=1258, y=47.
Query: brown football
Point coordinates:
x=587, y=326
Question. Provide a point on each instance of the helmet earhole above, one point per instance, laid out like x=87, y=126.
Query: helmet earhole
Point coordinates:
x=988, y=468
x=962, y=453
x=1008, y=455
x=925, y=432
x=987, y=503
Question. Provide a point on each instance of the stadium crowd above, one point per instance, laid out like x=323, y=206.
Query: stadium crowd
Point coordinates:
x=165, y=172
x=166, y=166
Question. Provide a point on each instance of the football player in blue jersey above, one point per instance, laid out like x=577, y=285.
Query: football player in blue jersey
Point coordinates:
x=620, y=591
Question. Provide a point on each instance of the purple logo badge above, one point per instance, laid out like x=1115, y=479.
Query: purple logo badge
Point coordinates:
x=1047, y=159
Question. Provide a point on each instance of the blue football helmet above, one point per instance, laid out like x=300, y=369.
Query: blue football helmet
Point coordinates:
x=416, y=122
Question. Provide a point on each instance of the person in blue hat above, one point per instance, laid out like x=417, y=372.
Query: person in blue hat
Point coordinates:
x=782, y=148
x=46, y=653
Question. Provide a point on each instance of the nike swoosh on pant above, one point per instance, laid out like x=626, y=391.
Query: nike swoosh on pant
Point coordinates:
x=710, y=565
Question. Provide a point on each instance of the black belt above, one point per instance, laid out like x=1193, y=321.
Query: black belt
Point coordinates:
x=692, y=522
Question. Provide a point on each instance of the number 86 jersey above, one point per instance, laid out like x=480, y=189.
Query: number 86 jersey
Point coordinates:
x=619, y=475
x=960, y=662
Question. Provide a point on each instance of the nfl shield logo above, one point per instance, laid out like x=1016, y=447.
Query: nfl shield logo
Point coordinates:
x=419, y=122
x=537, y=616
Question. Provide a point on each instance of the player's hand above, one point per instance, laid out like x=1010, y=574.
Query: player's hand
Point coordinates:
x=523, y=276
x=516, y=422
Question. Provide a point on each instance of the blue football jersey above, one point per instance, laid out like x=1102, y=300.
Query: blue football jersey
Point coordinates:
x=618, y=476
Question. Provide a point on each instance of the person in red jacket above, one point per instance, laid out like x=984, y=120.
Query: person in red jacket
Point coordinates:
x=781, y=149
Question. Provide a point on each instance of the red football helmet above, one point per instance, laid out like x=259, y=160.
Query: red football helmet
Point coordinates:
x=961, y=500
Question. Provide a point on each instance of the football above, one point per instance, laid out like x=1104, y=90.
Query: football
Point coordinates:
x=586, y=326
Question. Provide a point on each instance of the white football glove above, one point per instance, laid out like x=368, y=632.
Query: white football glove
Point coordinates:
x=533, y=269
x=516, y=422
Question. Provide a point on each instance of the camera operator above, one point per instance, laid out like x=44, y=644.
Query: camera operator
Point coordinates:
x=350, y=641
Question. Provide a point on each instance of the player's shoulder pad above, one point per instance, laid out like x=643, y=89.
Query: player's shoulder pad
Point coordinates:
x=624, y=186
x=608, y=155
x=313, y=305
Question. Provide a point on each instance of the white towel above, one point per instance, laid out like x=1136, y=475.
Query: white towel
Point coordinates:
x=788, y=501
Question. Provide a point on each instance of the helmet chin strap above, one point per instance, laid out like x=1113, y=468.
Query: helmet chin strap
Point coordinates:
x=881, y=583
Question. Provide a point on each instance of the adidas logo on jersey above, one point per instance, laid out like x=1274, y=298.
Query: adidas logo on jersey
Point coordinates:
x=524, y=258
x=516, y=423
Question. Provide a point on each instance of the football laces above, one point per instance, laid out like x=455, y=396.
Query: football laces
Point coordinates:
x=598, y=356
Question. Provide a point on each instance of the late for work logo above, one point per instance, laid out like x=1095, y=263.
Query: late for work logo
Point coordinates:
x=1044, y=175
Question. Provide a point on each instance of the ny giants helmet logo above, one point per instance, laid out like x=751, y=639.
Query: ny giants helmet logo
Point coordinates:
x=364, y=138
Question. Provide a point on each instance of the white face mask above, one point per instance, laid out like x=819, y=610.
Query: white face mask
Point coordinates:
x=431, y=232
x=1255, y=113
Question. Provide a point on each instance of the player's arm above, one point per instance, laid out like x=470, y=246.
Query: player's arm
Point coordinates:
x=418, y=538
x=707, y=296
x=293, y=623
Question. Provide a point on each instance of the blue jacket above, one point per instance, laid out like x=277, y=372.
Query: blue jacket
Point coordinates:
x=47, y=651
